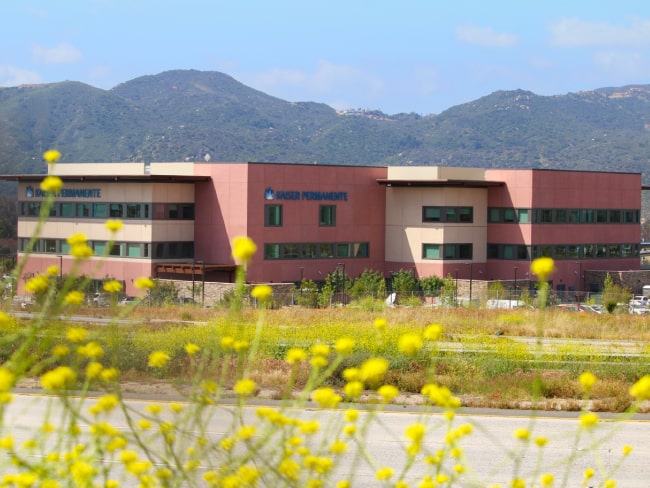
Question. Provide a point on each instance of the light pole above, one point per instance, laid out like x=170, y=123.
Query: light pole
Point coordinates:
x=60, y=268
x=342, y=266
x=456, y=289
x=579, y=263
x=193, y=265
x=515, y=269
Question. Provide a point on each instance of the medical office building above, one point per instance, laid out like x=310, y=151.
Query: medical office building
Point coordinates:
x=308, y=220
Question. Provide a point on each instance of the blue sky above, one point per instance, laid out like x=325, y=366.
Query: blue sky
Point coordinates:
x=420, y=56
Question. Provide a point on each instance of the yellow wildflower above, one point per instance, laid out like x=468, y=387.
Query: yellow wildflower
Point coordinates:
x=144, y=283
x=320, y=350
x=109, y=374
x=38, y=284
x=587, y=380
x=384, y=473
x=380, y=324
x=114, y=225
x=91, y=350
x=610, y=483
x=81, y=251
x=589, y=473
x=326, y=397
x=191, y=349
x=353, y=389
x=52, y=270
x=344, y=346
x=263, y=293
x=388, y=393
x=74, y=297
x=241, y=345
x=58, y=378
x=627, y=450
x=588, y=420
x=158, y=359
x=94, y=369
x=51, y=184
x=641, y=389
x=243, y=249
x=227, y=343
x=409, y=344
x=541, y=441
x=51, y=156
x=433, y=332
x=415, y=432
x=76, y=334
x=245, y=387
x=543, y=267
x=338, y=447
x=373, y=370
x=295, y=355
x=352, y=415
x=112, y=286
x=522, y=434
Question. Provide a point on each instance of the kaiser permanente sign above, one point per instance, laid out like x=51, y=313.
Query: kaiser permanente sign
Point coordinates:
x=271, y=194
x=31, y=192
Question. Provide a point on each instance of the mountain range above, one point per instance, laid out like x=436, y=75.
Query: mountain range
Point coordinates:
x=187, y=115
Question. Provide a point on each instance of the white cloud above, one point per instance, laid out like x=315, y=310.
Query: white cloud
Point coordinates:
x=484, y=36
x=12, y=76
x=63, y=53
x=578, y=33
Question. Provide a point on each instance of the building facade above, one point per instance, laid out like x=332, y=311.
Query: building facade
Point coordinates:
x=309, y=220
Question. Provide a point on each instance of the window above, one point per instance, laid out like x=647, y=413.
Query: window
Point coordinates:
x=99, y=247
x=67, y=209
x=188, y=211
x=574, y=216
x=615, y=216
x=431, y=251
x=116, y=249
x=290, y=251
x=271, y=251
x=83, y=210
x=273, y=215
x=626, y=251
x=601, y=251
x=326, y=250
x=587, y=251
x=65, y=247
x=494, y=215
x=465, y=214
x=573, y=251
x=509, y=214
x=508, y=251
x=343, y=250
x=99, y=210
x=133, y=250
x=630, y=217
x=187, y=249
x=173, y=211
x=133, y=210
x=560, y=216
x=614, y=251
x=33, y=209
x=588, y=216
x=431, y=214
x=546, y=216
x=601, y=216
x=451, y=215
x=465, y=251
x=309, y=251
x=560, y=252
x=360, y=250
x=115, y=210
x=160, y=250
x=327, y=215
x=523, y=215
x=50, y=245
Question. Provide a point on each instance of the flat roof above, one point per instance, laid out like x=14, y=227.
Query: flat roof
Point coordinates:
x=106, y=178
x=439, y=183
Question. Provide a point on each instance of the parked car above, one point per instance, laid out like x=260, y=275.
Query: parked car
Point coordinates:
x=640, y=301
x=126, y=301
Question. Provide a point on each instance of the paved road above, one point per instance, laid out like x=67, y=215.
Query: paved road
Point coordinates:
x=493, y=454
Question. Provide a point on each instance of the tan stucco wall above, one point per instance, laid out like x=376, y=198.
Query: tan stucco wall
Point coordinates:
x=434, y=173
x=405, y=231
x=123, y=168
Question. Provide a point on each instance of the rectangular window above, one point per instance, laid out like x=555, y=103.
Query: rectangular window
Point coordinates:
x=343, y=250
x=65, y=247
x=451, y=215
x=587, y=251
x=187, y=250
x=431, y=214
x=33, y=209
x=588, y=216
x=99, y=210
x=509, y=214
x=629, y=217
x=601, y=216
x=290, y=251
x=159, y=211
x=615, y=216
x=133, y=210
x=430, y=251
x=327, y=215
x=574, y=216
x=116, y=249
x=271, y=251
x=309, y=251
x=560, y=252
x=273, y=215
x=115, y=210
x=361, y=249
x=160, y=250
x=133, y=250
x=573, y=252
x=523, y=214
x=50, y=245
x=67, y=209
x=173, y=250
x=187, y=210
x=614, y=251
x=466, y=214
x=99, y=247
x=145, y=250
x=84, y=210
x=627, y=251
x=494, y=214
x=523, y=252
x=546, y=216
x=493, y=251
x=326, y=250
x=601, y=251
x=465, y=251
x=173, y=211
x=508, y=251
x=560, y=216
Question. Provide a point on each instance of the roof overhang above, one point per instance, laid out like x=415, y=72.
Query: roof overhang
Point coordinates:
x=440, y=183
x=113, y=178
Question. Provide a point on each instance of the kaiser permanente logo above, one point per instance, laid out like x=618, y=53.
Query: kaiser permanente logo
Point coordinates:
x=31, y=192
x=271, y=194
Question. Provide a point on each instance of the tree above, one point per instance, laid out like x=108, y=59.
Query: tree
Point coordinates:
x=432, y=285
x=370, y=283
x=613, y=294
